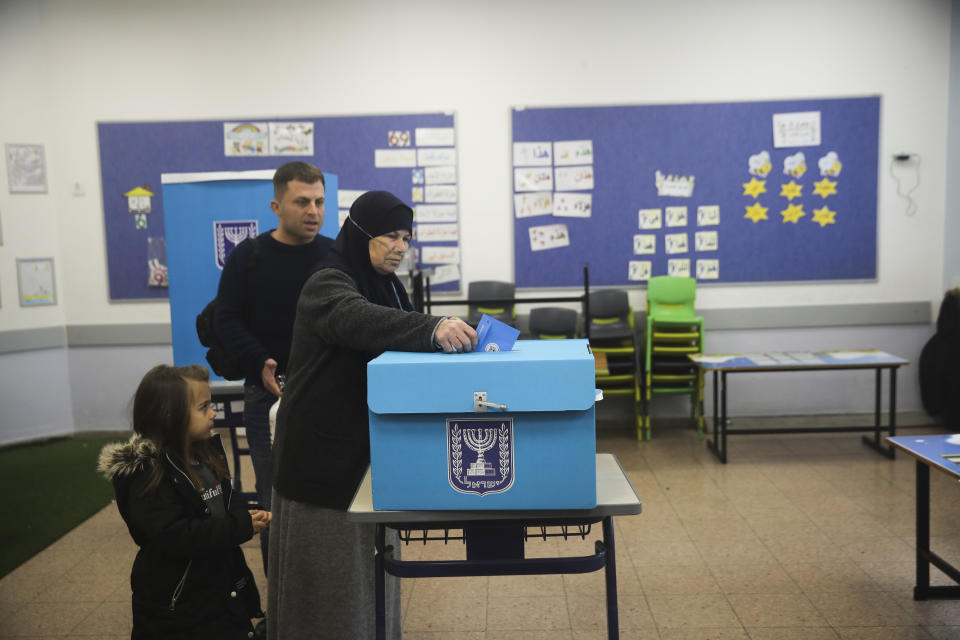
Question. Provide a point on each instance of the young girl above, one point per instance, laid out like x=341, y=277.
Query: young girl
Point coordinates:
x=189, y=579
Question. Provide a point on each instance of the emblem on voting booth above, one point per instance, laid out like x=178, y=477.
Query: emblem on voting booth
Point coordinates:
x=480, y=455
x=228, y=234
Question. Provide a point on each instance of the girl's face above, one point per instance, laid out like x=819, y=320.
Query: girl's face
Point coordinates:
x=201, y=413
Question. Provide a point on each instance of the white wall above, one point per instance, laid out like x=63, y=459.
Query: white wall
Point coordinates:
x=951, y=231
x=65, y=65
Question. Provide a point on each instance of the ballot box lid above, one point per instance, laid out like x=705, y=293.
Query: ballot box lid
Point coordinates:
x=537, y=375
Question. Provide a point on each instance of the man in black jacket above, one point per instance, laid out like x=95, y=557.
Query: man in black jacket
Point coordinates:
x=257, y=302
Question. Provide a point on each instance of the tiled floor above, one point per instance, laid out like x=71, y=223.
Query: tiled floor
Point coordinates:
x=803, y=537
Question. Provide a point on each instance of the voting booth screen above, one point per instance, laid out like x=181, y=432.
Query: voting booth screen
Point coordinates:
x=204, y=221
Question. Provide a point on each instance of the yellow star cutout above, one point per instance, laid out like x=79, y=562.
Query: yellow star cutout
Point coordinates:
x=824, y=216
x=754, y=187
x=756, y=212
x=791, y=190
x=793, y=213
x=825, y=188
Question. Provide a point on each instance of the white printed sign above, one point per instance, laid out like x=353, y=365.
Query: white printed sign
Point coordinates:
x=434, y=136
x=801, y=129
x=708, y=215
x=527, y=205
x=708, y=269
x=550, y=236
x=706, y=241
x=439, y=255
x=675, y=243
x=676, y=216
x=678, y=267
x=346, y=197
x=445, y=273
x=446, y=232
x=531, y=154
x=650, y=219
x=532, y=179
x=572, y=205
x=389, y=158
x=574, y=178
x=570, y=152
x=441, y=193
x=440, y=175
x=435, y=213
x=436, y=156
x=639, y=270
x=644, y=244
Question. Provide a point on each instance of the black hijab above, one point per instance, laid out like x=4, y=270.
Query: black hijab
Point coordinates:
x=372, y=214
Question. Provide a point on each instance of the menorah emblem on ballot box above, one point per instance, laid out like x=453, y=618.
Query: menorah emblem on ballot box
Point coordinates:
x=480, y=455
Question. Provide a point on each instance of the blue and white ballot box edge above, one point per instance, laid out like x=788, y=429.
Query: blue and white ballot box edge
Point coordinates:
x=433, y=447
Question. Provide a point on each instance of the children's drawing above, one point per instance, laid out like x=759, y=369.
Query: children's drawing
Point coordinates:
x=246, y=138
x=759, y=164
x=830, y=165
x=527, y=205
x=574, y=178
x=549, y=236
x=572, y=205
x=532, y=154
x=571, y=152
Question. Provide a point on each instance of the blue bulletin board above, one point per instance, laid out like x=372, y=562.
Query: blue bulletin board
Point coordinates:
x=205, y=216
x=411, y=155
x=726, y=192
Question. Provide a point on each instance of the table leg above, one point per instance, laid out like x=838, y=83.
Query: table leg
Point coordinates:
x=380, y=579
x=723, y=417
x=716, y=429
x=875, y=442
x=923, y=531
x=610, y=572
x=893, y=405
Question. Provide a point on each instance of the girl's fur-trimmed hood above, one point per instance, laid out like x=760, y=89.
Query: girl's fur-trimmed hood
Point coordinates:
x=124, y=458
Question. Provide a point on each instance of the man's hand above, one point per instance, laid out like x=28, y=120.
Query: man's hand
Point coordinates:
x=269, y=377
x=455, y=335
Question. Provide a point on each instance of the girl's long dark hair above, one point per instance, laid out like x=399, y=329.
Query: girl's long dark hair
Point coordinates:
x=161, y=414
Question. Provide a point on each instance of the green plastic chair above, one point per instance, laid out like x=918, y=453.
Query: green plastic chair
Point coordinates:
x=673, y=331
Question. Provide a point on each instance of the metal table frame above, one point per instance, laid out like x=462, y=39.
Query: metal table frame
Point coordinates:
x=926, y=449
x=495, y=539
x=227, y=394
x=718, y=442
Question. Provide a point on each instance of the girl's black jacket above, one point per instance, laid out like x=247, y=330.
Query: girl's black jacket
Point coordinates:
x=189, y=579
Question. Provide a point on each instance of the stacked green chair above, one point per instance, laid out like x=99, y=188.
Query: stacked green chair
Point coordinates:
x=549, y=323
x=491, y=290
x=673, y=331
x=612, y=333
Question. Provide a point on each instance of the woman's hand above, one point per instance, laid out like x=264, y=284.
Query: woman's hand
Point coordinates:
x=455, y=335
x=261, y=519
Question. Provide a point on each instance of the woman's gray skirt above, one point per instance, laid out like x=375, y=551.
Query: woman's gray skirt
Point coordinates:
x=321, y=582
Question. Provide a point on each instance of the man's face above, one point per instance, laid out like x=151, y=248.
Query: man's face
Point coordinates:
x=300, y=212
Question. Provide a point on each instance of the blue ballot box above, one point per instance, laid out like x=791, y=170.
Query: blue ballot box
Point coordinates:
x=484, y=430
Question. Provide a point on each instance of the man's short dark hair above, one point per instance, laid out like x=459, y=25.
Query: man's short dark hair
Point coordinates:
x=299, y=171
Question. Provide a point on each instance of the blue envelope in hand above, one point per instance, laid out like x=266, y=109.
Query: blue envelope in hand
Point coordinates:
x=493, y=335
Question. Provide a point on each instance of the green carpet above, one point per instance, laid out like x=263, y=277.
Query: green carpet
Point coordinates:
x=51, y=487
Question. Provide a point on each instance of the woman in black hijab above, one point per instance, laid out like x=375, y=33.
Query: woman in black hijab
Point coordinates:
x=351, y=309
